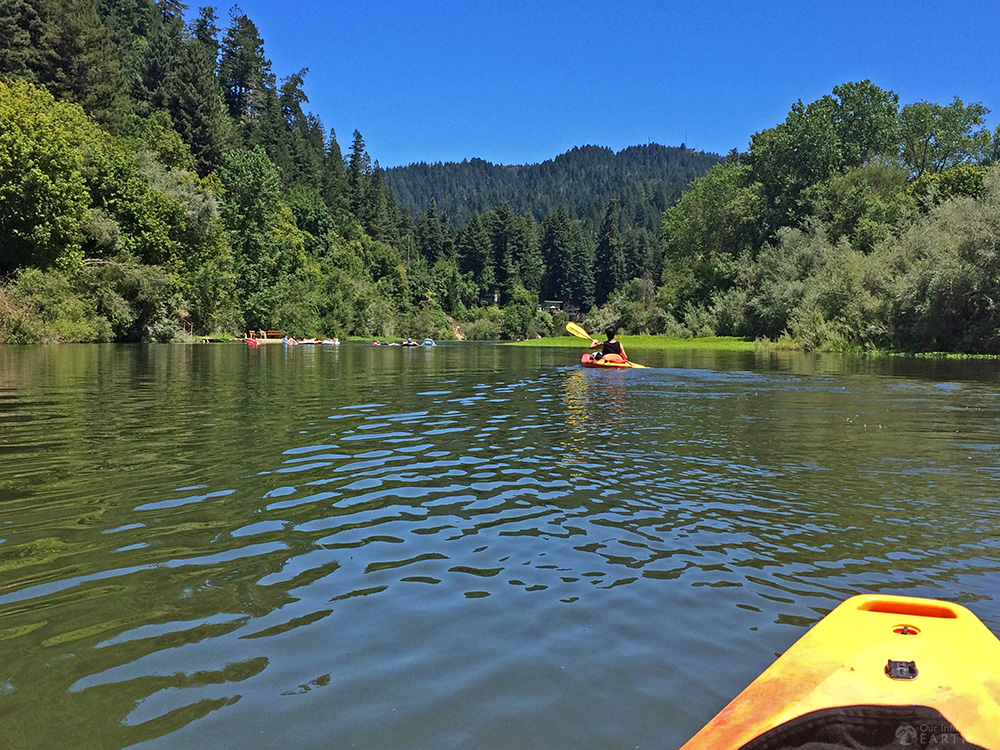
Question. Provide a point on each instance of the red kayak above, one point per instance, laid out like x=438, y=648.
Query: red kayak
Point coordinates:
x=613, y=361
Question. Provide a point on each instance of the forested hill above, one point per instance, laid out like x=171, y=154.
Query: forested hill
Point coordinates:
x=646, y=179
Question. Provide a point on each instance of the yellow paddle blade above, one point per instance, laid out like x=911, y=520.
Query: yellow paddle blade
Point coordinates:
x=577, y=330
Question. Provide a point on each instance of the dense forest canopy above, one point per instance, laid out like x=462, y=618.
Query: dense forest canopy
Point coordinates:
x=645, y=179
x=158, y=179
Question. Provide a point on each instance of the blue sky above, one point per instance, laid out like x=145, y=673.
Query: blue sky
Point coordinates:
x=521, y=82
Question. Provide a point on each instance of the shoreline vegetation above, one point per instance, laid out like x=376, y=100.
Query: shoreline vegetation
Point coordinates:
x=161, y=183
x=714, y=343
x=655, y=343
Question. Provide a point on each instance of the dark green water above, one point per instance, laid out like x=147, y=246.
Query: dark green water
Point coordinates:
x=467, y=547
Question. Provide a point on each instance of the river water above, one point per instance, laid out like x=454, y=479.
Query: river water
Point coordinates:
x=473, y=546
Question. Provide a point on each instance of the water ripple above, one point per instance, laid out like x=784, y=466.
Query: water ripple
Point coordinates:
x=312, y=530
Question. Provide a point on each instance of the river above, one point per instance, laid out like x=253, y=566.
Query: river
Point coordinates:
x=472, y=546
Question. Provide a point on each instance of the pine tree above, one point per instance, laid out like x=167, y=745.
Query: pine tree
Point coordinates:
x=244, y=71
x=433, y=236
x=557, y=249
x=20, y=28
x=475, y=253
x=502, y=238
x=333, y=185
x=130, y=24
x=198, y=109
x=171, y=9
x=359, y=168
x=78, y=61
x=531, y=266
x=205, y=29
x=303, y=132
x=580, y=275
x=158, y=84
x=380, y=215
x=643, y=255
x=609, y=262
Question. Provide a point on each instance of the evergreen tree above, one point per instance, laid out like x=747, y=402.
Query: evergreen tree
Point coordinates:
x=643, y=255
x=20, y=29
x=158, y=83
x=379, y=214
x=517, y=257
x=333, y=183
x=268, y=248
x=244, y=71
x=531, y=266
x=557, y=251
x=77, y=60
x=583, y=180
x=171, y=9
x=198, y=108
x=304, y=133
x=580, y=274
x=475, y=253
x=433, y=236
x=359, y=170
x=130, y=24
x=503, y=239
x=609, y=262
x=205, y=29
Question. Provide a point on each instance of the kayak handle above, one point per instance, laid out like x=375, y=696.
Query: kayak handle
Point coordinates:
x=901, y=605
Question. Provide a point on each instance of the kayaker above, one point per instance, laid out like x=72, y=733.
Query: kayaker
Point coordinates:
x=610, y=347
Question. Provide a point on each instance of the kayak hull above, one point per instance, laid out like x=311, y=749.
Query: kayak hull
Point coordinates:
x=587, y=360
x=884, y=653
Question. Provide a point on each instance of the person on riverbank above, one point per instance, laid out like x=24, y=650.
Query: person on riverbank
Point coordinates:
x=611, y=349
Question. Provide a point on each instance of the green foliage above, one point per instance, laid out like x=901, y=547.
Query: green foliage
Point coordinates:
x=139, y=301
x=706, y=234
x=632, y=308
x=43, y=307
x=484, y=324
x=782, y=274
x=936, y=137
x=16, y=49
x=937, y=187
x=865, y=119
x=268, y=248
x=865, y=204
x=197, y=106
x=433, y=236
x=517, y=315
x=517, y=258
x=475, y=252
x=816, y=234
x=44, y=196
x=854, y=126
x=452, y=290
x=948, y=277
x=430, y=321
x=569, y=273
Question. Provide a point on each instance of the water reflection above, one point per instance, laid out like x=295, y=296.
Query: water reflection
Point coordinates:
x=207, y=546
